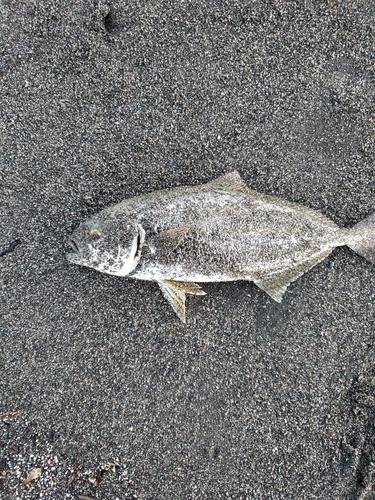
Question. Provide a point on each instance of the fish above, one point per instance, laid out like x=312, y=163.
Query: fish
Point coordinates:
x=215, y=232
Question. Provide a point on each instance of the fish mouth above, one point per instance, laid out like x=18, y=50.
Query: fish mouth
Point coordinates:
x=74, y=245
x=76, y=256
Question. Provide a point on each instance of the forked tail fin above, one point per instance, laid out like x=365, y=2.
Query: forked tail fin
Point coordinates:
x=364, y=238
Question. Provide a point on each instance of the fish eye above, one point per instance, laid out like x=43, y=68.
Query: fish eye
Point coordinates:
x=96, y=230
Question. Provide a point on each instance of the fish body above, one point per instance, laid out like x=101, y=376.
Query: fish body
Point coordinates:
x=219, y=231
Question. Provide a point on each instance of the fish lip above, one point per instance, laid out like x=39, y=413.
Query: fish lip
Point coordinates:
x=76, y=256
x=74, y=245
x=73, y=257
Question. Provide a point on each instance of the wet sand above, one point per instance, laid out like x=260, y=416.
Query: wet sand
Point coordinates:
x=104, y=394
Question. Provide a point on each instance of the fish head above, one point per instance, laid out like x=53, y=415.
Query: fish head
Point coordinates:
x=107, y=245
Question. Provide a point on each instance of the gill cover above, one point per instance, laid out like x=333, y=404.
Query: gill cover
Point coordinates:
x=107, y=246
x=130, y=263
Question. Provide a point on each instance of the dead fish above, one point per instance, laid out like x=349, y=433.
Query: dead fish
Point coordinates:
x=219, y=231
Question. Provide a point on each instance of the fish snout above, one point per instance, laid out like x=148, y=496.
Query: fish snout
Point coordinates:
x=74, y=245
x=76, y=256
x=73, y=257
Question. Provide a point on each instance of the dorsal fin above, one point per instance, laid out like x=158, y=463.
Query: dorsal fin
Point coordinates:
x=231, y=182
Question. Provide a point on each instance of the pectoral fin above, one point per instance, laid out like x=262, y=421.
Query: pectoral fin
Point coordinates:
x=169, y=240
x=175, y=293
x=277, y=283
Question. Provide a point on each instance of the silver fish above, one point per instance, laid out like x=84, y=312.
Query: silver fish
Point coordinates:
x=219, y=231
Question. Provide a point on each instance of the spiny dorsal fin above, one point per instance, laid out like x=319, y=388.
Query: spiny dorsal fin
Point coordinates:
x=277, y=283
x=175, y=293
x=231, y=182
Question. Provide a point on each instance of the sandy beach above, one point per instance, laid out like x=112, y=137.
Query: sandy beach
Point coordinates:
x=104, y=393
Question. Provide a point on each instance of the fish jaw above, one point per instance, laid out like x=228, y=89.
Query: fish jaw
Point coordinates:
x=121, y=265
x=74, y=258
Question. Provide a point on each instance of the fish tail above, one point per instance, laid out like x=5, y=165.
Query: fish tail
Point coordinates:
x=363, y=238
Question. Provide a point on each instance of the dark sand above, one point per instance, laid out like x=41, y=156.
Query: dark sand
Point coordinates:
x=113, y=396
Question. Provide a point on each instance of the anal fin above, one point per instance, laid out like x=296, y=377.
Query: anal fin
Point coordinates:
x=277, y=283
x=175, y=293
